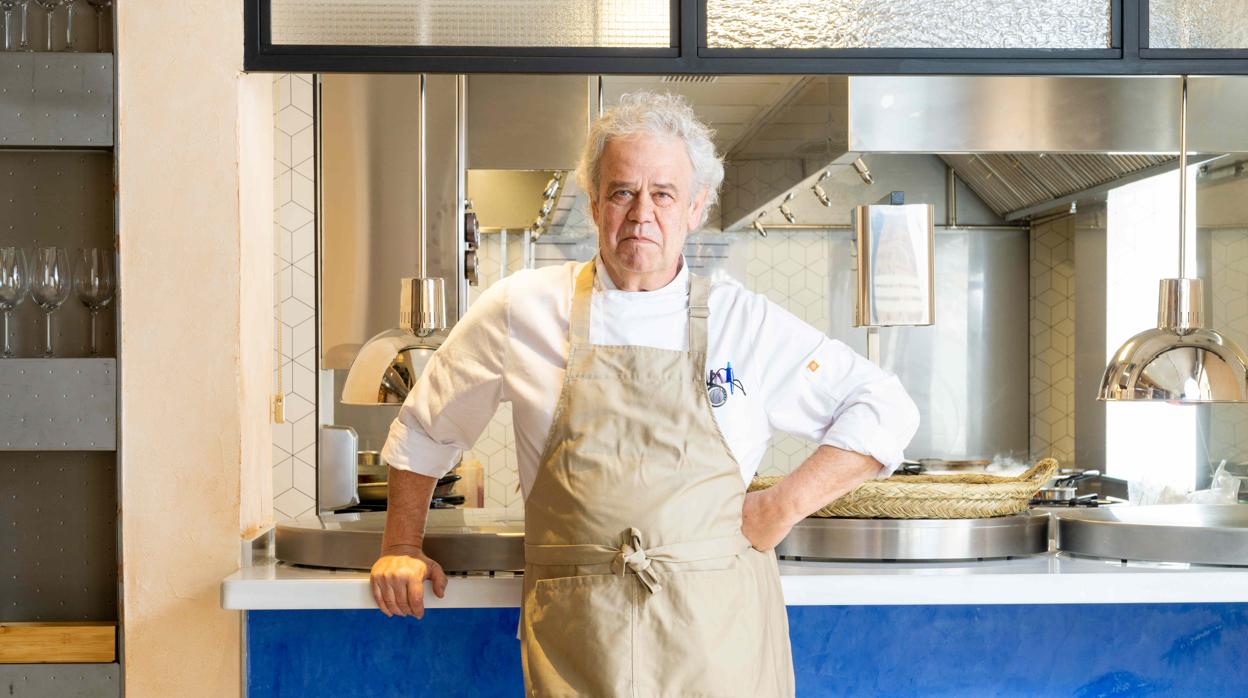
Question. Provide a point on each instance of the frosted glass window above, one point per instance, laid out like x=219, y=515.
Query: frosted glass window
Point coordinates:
x=834, y=24
x=1142, y=241
x=515, y=23
x=1198, y=24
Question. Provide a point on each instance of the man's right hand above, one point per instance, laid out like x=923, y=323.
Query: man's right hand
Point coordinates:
x=398, y=582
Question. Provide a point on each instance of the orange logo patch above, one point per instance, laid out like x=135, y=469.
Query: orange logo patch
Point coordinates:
x=812, y=366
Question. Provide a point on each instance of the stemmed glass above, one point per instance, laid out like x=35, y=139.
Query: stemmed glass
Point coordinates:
x=50, y=286
x=7, y=6
x=14, y=281
x=99, y=6
x=93, y=282
x=50, y=6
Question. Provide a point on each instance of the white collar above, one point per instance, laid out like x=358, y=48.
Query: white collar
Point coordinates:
x=679, y=284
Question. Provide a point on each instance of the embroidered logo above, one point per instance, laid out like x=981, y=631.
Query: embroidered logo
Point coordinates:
x=812, y=366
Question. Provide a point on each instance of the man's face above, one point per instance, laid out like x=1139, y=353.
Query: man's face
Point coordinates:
x=645, y=206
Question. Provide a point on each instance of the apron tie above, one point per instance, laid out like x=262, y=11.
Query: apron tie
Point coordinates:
x=632, y=556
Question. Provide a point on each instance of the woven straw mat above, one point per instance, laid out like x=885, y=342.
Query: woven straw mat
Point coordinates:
x=961, y=496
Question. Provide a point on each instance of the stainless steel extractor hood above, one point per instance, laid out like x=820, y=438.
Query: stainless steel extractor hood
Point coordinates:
x=1022, y=144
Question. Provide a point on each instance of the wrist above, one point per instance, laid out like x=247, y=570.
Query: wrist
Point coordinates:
x=403, y=549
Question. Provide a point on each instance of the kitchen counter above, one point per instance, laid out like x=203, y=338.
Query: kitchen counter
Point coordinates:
x=1039, y=579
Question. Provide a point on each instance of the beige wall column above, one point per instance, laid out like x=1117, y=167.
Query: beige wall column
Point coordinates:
x=195, y=278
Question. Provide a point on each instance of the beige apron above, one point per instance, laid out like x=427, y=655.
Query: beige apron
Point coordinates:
x=638, y=580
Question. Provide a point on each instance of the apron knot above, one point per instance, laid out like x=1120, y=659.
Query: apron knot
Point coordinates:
x=632, y=556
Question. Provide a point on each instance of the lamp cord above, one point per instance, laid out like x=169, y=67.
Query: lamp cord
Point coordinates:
x=1183, y=183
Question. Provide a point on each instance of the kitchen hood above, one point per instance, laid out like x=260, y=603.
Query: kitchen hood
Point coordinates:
x=1024, y=145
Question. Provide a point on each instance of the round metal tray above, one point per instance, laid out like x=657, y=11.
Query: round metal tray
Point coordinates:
x=1206, y=534
x=917, y=539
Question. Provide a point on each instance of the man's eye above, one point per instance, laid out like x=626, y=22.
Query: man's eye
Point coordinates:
x=621, y=194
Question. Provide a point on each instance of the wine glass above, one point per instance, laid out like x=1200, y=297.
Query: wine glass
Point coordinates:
x=24, y=44
x=14, y=281
x=93, y=282
x=7, y=6
x=50, y=286
x=50, y=6
x=99, y=6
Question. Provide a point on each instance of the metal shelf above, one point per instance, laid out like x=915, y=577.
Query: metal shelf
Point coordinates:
x=56, y=100
x=60, y=680
x=58, y=404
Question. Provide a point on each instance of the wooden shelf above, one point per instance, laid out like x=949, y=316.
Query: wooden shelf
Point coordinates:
x=58, y=642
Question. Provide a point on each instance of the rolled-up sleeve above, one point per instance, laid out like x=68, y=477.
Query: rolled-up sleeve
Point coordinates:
x=821, y=390
x=457, y=394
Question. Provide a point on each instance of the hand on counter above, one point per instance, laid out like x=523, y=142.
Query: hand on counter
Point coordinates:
x=398, y=582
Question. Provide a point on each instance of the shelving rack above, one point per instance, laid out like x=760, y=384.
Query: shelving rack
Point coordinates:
x=59, y=595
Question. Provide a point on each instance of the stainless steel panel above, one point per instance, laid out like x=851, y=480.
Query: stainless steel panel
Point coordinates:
x=461, y=540
x=968, y=372
x=58, y=536
x=564, y=23
x=908, y=114
x=58, y=404
x=369, y=179
x=336, y=478
x=528, y=122
x=1198, y=24
x=56, y=99
x=60, y=680
x=808, y=24
x=917, y=539
x=1210, y=534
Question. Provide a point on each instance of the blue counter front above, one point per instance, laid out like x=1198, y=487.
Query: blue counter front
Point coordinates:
x=1171, y=649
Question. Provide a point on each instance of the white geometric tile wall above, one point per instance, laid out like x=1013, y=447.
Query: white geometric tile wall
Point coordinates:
x=1228, y=424
x=1053, y=340
x=294, y=322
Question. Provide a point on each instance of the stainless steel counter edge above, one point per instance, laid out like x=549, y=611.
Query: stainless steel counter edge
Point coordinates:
x=1039, y=579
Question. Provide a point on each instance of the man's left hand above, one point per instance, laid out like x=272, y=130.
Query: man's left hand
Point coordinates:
x=763, y=522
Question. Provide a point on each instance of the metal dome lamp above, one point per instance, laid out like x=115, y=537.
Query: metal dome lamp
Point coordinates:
x=1179, y=361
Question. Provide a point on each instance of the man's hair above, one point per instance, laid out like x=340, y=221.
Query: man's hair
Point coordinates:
x=661, y=115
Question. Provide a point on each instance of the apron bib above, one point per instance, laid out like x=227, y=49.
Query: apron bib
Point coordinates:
x=638, y=581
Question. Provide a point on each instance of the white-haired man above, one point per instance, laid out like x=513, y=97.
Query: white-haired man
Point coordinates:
x=643, y=399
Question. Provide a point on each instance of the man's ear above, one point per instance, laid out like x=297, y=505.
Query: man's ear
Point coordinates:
x=593, y=210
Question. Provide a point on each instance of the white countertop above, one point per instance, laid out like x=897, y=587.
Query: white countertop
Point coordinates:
x=1039, y=579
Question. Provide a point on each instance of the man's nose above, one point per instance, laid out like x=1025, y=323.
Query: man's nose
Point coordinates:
x=642, y=210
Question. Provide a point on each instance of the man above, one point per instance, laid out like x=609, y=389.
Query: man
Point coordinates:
x=643, y=400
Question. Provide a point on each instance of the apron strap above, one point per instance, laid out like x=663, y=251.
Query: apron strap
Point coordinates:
x=633, y=556
x=699, y=311
x=582, y=294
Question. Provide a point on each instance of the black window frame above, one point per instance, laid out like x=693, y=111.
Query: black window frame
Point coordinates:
x=688, y=54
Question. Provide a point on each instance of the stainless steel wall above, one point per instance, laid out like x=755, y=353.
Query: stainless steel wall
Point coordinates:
x=370, y=202
x=969, y=371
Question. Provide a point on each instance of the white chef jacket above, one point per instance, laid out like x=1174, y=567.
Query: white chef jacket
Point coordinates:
x=512, y=345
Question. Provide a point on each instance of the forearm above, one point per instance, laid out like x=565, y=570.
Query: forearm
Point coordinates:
x=406, y=512
x=825, y=475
